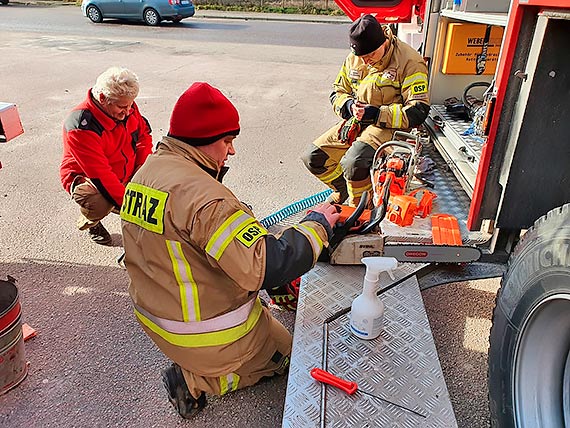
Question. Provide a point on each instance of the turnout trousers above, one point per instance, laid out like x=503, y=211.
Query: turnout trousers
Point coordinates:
x=272, y=358
x=345, y=168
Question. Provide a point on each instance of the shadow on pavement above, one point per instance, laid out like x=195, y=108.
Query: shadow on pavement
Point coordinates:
x=461, y=335
x=91, y=365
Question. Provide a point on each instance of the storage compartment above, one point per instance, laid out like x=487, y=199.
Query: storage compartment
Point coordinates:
x=454, y=42
x=471, y=49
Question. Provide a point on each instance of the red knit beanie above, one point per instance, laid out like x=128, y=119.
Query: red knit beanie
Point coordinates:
x=202, y=115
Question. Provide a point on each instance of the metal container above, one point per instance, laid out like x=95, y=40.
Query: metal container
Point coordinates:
x=13, y=366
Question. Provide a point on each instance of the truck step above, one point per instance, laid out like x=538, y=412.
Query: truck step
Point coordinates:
x=400, y=366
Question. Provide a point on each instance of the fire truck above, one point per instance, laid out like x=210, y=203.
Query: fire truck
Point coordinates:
x=498, y=132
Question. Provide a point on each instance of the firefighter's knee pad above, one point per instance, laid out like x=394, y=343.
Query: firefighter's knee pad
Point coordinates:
x=357, y=161
x=314, y=159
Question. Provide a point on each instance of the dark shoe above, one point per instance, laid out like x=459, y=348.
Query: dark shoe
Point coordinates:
x=184, y=403
x=99, y=235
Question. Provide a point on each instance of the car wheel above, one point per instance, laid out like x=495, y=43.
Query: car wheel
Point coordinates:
x=151, y=17
x=94, y=14
x=4, y=1
x=529, y=346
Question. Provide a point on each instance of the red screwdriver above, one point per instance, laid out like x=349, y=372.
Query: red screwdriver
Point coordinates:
x=351, y=387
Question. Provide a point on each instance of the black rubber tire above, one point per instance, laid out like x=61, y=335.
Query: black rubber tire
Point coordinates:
x=4, y=1
x=529, y=345
x=94, y=14
x=151, y=17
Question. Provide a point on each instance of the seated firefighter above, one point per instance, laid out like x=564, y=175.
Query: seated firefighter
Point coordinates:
x=197, y=258
x=381, y=87
x=105, y=140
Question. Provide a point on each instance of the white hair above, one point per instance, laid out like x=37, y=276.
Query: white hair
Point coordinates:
x=115, y=83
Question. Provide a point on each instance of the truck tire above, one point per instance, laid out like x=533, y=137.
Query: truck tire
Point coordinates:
x=529, y=358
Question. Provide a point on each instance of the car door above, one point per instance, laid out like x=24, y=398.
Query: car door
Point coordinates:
x=133, y=8
x=110, y=8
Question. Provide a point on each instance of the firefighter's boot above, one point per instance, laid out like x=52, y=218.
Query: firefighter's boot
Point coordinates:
x=179, y=395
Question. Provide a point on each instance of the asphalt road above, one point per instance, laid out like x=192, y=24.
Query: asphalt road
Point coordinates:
x=91, y=365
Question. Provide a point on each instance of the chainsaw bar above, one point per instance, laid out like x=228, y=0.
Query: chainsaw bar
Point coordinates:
x=432, y=253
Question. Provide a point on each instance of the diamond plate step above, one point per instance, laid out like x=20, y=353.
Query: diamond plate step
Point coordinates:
x=401, y=365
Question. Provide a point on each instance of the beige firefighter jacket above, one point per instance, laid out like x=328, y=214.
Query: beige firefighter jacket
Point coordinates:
x=196, y=257
x=395, y=83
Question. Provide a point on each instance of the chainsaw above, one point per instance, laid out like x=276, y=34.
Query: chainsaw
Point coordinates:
x=358, y=234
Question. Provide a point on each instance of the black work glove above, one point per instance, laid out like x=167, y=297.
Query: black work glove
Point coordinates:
x=370, y=116
x=319, y=218
x=346, y=110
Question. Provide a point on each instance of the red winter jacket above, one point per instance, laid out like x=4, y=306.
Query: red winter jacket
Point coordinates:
x=106, y=151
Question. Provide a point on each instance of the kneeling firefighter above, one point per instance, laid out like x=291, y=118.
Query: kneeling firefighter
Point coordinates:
x=197, y=258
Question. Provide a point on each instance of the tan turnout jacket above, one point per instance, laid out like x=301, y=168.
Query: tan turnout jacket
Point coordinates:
x=196, y=257
x=395, y=83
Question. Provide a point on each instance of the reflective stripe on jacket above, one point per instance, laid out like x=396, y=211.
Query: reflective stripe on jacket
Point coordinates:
x=221, y=330
x=395, y=84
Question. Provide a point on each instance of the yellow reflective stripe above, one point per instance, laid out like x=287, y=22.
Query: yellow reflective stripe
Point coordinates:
x=223, y=385
x=370, y=79
x=415, y=78
x=229, y=383
x=201, y=340
x=331, y=176
x=382, y=81
x=342, y=98
x=313, y=238
x=342, y=73
x=358, y=191
x=339, y=102
x=226, y=232
x=186, y=284
x=396, y=115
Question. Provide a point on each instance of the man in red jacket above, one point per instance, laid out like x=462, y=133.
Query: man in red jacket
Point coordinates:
x=105, y=141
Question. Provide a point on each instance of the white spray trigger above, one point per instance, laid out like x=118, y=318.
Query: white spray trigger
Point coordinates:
x=375, y=265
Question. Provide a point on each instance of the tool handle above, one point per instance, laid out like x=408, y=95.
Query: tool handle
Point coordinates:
x=326, y=377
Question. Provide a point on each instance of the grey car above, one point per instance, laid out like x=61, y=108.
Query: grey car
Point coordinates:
x=152, y=12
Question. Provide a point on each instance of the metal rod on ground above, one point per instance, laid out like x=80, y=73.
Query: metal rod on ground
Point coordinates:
x=392, y=403
x=324, y=365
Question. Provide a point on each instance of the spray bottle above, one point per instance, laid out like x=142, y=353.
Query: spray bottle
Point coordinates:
x=367, y=310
